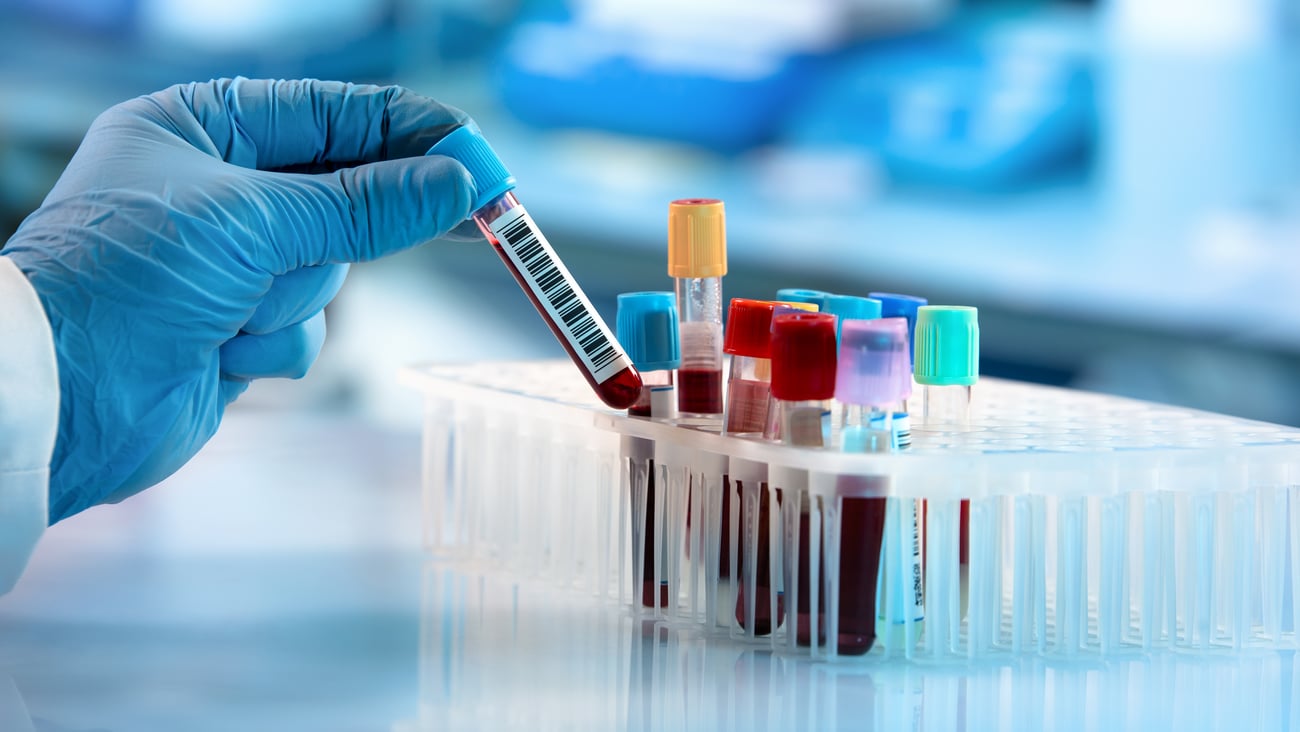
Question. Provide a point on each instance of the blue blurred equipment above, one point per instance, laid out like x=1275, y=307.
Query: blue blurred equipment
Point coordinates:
x=192, y=243
x=977, y=108
x=724, y=97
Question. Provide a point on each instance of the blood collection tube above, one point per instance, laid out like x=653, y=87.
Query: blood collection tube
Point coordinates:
x=647, y=328
x=947, y=363
x=803, y=380
x=538, y=270
x=873, y=379
x=893, y=305
x=697, y=261
x=748, y=340
x=947, y=366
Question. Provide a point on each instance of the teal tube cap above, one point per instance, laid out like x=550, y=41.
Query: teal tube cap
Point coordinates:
x=646, y=325
x=466, y=145
x=947, y=345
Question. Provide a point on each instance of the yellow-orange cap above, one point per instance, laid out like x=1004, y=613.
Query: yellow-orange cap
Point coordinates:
x=697, y=238
x=811, y=307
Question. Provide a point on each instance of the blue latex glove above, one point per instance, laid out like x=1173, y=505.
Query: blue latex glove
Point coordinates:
x=191, y=246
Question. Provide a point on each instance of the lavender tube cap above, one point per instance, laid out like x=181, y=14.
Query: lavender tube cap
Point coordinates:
x=875, y=364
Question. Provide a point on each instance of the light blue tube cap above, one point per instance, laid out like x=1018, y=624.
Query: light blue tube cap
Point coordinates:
x=466, y=145
x=875, y=368
x=851, y=307
x=647, y=327
x=794, y=294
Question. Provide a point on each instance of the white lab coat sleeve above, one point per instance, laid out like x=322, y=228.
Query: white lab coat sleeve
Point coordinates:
x=29, y=420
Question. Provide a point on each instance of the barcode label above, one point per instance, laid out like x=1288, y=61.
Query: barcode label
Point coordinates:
x=556, y=289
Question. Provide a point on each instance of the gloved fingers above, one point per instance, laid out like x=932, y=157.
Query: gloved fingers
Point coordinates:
x=275, y=124
x=232, y=388
x=286, y=353
x=465, y=231
x=295, y=296
x=362, y=213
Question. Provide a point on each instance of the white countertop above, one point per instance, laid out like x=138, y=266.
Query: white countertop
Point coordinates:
x=277, y=583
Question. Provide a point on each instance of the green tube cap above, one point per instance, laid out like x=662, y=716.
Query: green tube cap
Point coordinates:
x=947, y=345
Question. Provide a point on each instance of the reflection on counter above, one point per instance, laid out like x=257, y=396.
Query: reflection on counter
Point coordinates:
x=503, y=654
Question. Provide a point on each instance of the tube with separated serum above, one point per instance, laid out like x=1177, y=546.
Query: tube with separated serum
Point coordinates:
x=538, y=270
x=697, y=261
x=647, y=328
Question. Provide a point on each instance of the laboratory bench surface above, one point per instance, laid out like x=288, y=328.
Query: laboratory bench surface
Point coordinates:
x=277, y=583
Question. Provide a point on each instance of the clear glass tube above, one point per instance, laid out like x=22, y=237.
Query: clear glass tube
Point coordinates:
x=799, y=423
x=946, y=407
x=556, y=295
x=749, y=391
x=658, y=398
x=699, y=307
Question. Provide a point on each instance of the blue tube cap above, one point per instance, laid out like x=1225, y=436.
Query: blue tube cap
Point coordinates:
x=466, y=145
x=852, y=307
x=647, y=327
x=893, y=305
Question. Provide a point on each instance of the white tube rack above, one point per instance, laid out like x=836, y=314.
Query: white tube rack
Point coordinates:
x=1097, y=525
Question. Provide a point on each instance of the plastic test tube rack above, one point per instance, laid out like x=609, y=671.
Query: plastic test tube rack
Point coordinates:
x=1098, y=525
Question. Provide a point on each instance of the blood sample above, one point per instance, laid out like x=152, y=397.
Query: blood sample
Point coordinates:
x=697, y=260
x=701, y=391
x=803, y=379
x=763, y=622
x=874, y=378
x=539, y=271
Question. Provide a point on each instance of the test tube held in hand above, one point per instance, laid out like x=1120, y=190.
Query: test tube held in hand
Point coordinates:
x=697, y=261
x=538, y=270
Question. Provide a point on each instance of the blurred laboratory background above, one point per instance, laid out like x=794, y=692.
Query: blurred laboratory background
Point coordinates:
x=1116, y=185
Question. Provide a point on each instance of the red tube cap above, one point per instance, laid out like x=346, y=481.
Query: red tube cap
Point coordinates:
x=749, y=328
x=803, y=356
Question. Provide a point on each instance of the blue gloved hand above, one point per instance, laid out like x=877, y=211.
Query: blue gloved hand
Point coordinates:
x=191, y=246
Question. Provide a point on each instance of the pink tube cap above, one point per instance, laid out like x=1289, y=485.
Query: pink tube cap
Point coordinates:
x=875, y=366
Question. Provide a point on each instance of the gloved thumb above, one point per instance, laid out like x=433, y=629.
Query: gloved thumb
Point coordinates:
x=365, y=212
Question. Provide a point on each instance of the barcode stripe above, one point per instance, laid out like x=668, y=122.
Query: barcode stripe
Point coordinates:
x=554, y=285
